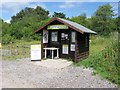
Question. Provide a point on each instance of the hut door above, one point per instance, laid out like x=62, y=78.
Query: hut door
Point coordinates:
x=65, y=42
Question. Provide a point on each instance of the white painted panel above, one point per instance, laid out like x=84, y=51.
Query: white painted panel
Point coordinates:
x=35, y=52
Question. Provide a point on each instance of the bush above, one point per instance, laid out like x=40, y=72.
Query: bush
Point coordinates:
x=7, y=39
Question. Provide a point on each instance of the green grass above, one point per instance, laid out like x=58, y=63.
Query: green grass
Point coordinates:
x=103, y=57
x=19, y=49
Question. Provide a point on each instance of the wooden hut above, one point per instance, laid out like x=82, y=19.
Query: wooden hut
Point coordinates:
x=64, y=39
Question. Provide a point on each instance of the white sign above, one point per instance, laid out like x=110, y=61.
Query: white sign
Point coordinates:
x=57, y=27
x=65, y=49
x=35, y=52
x=72, y=47
x=45, y=36
x=72, y=36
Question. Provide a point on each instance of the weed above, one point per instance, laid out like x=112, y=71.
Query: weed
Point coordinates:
x=103, y=58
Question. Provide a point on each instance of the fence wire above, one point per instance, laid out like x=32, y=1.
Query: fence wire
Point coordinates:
x=19, y=51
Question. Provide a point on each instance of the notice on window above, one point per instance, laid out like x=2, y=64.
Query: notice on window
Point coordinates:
x=72, y=47
x=72, y=36
x=65, y=49
x=54, y=36
x=35, y=52
x=63, y=35
x=45, y=36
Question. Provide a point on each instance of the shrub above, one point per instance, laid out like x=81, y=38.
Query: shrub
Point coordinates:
x=7, y=39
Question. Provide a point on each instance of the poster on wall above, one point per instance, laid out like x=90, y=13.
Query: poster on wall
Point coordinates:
x=72, y=47
x=72, y=36
x=64, y=49
x=45, y=36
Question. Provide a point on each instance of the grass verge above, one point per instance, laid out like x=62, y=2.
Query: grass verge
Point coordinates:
x=103, y=58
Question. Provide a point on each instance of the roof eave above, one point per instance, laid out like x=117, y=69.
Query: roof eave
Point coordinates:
x=78, y=30
x=39, y=29
x=91, y=32
x=70, y=26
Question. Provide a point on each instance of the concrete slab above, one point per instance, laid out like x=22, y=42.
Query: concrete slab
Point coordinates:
x=55, y=63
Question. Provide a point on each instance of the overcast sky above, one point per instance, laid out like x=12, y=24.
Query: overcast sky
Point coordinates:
x=68, y=7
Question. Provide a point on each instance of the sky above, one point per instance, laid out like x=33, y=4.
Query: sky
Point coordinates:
x=71, y=8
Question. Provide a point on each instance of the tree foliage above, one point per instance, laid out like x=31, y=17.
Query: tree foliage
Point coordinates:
x=6, y=32
x=59, y=14
x=102, y=21
x=81, y=19
x=37, y=14
x=25, y=22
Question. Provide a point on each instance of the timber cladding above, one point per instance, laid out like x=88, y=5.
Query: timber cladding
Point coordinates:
x=71, y=38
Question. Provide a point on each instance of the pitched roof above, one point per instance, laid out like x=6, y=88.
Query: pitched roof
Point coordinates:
x=70, y=24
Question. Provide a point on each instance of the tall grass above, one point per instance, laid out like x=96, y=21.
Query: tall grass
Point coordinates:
x=17, y=50
x=104, y=57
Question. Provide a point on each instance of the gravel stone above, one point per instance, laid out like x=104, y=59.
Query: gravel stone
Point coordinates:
x=25, y=74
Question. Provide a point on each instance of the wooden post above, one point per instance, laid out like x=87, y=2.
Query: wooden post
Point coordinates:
x=57, y=53
x=75, y=58
x=10, y=47
x=0, y=45
x=42, y=51
x=45, y=53
x=52, y=54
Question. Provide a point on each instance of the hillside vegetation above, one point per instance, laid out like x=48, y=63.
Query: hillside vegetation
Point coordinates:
x=103, y=57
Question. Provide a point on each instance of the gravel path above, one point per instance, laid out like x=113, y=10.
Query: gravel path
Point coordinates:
x=24, y=74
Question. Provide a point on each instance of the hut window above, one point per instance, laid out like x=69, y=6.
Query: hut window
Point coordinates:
x=72, y=36
x=54, y=36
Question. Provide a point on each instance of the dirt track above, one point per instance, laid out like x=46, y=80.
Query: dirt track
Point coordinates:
x=25, y=74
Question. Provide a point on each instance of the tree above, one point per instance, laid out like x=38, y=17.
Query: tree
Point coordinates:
x=41, y=13
x=38, y=14
x=102, y=20
x=27, y=21
x=0, y=28
x=6, y=32
x=81, y=19
x=59, y=14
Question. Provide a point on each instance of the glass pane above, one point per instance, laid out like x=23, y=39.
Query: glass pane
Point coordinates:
x=72, y=36
x=54, y=36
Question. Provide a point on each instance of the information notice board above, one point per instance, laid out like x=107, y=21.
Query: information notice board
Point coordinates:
x=35, y=52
